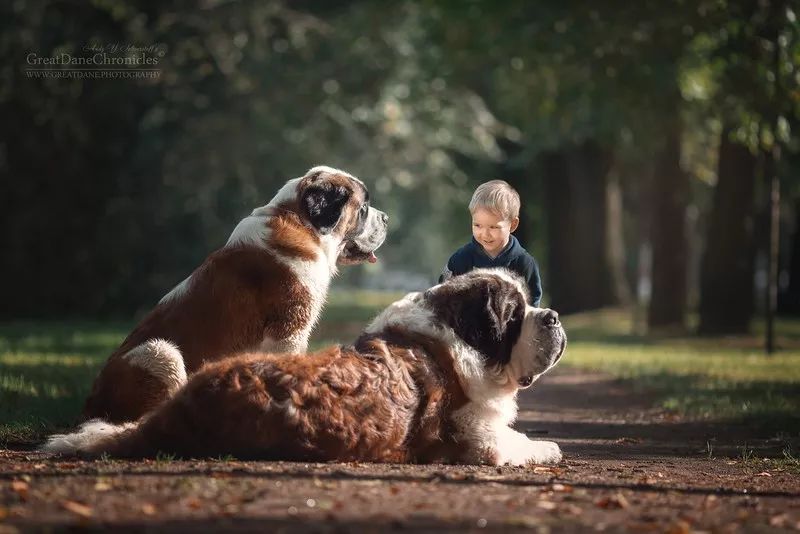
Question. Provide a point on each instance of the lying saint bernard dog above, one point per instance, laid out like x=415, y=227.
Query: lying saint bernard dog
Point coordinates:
x=262, y=291
x=434, y=378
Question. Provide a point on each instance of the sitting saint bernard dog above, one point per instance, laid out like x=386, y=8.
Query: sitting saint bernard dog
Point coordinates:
x=262, y=291
x=434, y=378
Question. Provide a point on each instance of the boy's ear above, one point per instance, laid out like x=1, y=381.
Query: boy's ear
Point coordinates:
x=514, y=223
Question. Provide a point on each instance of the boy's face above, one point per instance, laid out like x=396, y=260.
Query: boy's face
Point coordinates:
x=491, y=230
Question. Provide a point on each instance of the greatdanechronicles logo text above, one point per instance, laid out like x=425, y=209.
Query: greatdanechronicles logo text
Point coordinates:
x=98, y=61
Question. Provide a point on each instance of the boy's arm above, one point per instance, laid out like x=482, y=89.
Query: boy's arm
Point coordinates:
x=453, y=267
x=534, y=281
x=447, y=272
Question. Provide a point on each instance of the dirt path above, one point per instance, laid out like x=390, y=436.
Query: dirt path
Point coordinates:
x=628, y=467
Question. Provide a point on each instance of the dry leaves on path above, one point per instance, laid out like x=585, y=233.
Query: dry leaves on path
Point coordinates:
x=77, y=508
x=20, y=487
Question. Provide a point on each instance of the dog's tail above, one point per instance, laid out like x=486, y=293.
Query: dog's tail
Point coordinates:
x=92, y=437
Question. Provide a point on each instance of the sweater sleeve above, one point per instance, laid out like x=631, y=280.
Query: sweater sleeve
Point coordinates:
x=449, y=267
x=446, y=272
x=457, y=264
x=534, y=281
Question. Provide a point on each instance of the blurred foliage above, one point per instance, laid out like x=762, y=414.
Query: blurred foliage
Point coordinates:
x=111, y=191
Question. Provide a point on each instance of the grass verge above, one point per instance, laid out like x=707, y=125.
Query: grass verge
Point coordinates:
x=706, y=377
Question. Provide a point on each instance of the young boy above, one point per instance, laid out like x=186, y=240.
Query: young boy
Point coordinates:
x=495, y=214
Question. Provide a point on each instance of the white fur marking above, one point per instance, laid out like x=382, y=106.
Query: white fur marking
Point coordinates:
x=330, y=170
x=515, y=448
x=162, y=359
x=177, y=291
x=252, y=230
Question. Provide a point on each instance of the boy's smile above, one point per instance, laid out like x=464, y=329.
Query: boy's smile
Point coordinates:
x=491, y=230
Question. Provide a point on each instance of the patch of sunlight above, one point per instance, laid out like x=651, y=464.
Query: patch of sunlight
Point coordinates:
x=731, y=365
x=19, y=385
x=33, y=359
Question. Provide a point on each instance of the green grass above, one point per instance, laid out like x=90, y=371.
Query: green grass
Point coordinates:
x=46, y=368
x=708, y=377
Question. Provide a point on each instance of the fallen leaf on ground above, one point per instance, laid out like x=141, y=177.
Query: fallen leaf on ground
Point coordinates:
x=614, y=501
x=325, y=504
x=540, y=469
x=763, y=474
x=562, y=488
x=741, y=515
x=102, y=485
x=522, y=521
x=546, y=505
x=148, y=509
x=194, y=504
x=77, y=508
x=642, y=526
x=778, y=521
x=20, y=487
x=681, y=527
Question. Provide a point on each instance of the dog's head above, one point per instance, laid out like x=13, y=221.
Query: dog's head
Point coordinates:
x=337, y=204
x=488, y=310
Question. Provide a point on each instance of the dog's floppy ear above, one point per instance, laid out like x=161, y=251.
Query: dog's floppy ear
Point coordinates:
x=323, y=203
x=484, y=311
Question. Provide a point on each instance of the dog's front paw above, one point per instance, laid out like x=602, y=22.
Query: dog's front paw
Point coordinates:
x=519, y=450
x=544, y=452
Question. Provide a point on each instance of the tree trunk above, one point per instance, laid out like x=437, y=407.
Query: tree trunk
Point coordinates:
x=726, y=283
x=789, y=298
x=671, y=190
x=579, y=276
x=615, y=248
x=513, y=169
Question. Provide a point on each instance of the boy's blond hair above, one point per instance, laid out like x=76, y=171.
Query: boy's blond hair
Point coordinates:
x=496, y=196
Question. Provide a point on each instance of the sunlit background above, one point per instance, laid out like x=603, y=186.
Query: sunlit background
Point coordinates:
x=618, y=127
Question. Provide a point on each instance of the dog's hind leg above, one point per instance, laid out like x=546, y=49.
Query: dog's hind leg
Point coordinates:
x=161, y=359
x=135, y=382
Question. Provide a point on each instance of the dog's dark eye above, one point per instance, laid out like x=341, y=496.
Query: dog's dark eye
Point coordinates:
x=364, y=209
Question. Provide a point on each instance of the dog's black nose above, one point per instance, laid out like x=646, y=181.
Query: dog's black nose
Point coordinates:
x=384, y=217
x=549, y=319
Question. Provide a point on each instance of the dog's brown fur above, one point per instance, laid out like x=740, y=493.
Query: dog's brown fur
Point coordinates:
x=433, y=378
x=385, y=401
x=242, y=295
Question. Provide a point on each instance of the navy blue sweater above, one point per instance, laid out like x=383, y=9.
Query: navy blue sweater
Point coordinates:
x=513, y=256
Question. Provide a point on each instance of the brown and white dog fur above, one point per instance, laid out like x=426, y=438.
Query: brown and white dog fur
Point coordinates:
x=434, y=378
x=262, y=291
